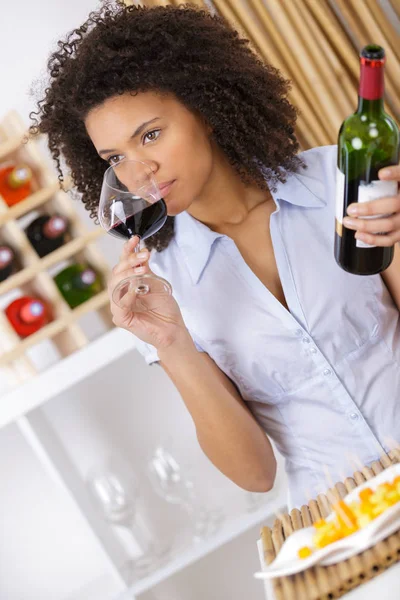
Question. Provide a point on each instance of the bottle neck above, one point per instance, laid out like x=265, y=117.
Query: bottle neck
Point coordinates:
x=370, y=107
x=54, y=227
x=19, y=176
x=6, y=256
x=372, y=87
x=84, y=279
x=31, y=311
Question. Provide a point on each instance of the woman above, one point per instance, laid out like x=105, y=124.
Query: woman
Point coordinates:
x=265, y=337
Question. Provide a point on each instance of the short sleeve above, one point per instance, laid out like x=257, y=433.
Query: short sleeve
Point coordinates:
x=149, y=352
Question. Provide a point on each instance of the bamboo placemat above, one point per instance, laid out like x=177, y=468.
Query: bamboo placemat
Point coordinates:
x=326, y=583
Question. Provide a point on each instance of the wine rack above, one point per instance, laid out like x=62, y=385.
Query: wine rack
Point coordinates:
x=33, y=277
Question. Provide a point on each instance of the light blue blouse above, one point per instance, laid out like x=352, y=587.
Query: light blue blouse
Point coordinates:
x=322, y=378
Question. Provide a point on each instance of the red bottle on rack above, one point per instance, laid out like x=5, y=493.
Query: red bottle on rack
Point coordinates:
x=15, y=183
x=27, y=315
x=7, y=259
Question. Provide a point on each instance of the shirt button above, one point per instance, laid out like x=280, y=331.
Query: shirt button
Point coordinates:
x=327, y=372
x=299, y=332
x=306, y=340
x=354, y=416
x=313, y=350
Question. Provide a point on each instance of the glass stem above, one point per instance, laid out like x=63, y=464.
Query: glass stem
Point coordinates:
x=141, y=536
x=137, y=248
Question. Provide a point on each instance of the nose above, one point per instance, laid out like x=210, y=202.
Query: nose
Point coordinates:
x=141, y=157
x=154, y=166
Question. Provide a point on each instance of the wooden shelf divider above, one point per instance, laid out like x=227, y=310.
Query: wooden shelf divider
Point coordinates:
x=34, y=277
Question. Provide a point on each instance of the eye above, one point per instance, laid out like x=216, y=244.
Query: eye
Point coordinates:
x=112, y=160
x=151, y=135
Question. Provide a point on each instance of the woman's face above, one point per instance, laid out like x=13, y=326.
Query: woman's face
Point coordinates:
x=161, y=131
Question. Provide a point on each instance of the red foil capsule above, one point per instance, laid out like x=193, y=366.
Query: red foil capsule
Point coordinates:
x=372, y=83
x=27, y=315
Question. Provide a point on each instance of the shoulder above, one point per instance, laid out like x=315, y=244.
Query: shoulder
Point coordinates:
x=313, y=184
x=321, y=157
x=317, y=176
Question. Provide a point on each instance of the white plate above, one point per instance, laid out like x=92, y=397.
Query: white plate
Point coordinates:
x=287, y=561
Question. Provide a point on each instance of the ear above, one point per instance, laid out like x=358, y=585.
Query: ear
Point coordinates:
x=209, y=129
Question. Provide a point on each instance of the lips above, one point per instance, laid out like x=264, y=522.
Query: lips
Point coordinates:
x=165, y=187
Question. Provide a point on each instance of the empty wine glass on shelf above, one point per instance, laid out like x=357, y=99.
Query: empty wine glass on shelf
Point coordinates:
x=170, y=483
x=131, y=203
x=114, y=488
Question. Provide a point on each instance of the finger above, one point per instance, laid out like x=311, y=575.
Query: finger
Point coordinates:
x=376, y=207
x=385, y=240
x=123, y=315
x=122, y=302
x=129, y=246
x=127, y=274
x=392, y=172
x=368, y=225
x=134, y=260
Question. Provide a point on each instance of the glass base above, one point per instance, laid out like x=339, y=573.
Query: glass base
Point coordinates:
x=207, y=523
x=142, y=293
x=154, y=558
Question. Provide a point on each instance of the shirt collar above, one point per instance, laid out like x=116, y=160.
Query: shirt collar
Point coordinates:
x=196, y=241
x=305, y=188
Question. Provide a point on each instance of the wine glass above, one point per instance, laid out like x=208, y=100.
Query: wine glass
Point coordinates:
x=114, y=488
x=171, y=484
x=131, y=204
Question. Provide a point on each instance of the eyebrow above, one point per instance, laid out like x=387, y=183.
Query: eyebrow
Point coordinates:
x=137, y=132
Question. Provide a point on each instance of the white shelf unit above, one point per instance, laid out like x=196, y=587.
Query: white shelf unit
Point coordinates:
x=22, y=406
x=47, y=448
x=34, y=392
x=233, y=528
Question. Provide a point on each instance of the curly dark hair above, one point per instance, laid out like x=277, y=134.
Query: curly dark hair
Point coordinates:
x=184, y=51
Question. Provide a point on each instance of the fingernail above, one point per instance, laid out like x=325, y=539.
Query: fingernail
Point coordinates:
x=352, y=210
x=142, y=254
x=349, y=222
x=140, y=269
x=386, y=173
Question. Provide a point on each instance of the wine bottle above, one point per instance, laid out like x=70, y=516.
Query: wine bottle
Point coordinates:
x=47, y=233
x=15, y=183
x=368, y=141
x=27, y=315
x=7, y=261
x=78, y=283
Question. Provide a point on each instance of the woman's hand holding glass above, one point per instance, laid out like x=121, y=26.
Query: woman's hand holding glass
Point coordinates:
x=160, y=326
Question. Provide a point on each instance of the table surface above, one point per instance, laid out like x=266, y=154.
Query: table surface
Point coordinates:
x=382, y=586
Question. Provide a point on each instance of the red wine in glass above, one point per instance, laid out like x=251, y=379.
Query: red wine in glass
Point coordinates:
x=131, y=205
x=142, y=223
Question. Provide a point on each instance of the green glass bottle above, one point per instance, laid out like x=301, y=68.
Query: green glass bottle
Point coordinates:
x=78, y=283
x=368, y=141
